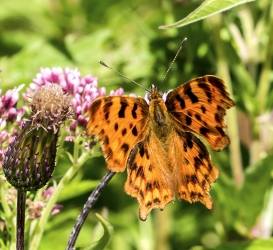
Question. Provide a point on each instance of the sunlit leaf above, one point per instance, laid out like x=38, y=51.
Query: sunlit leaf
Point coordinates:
x=206, y=9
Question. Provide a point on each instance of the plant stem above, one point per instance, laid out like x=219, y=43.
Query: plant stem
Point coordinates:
x=86, y=209
x=232, y=123
x=21, y=206
x=264, y=80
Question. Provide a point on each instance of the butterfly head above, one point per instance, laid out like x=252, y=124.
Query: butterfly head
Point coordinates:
x=154, y=93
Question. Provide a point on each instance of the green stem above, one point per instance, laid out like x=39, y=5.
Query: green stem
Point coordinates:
x=232, y=123
x=8, y=215
x=61, y=143
x=20, y=225
x=35, y=241
x=86, y=209
x=264, y=82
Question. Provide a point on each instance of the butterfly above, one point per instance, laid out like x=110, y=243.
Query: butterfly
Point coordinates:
x=154, y=138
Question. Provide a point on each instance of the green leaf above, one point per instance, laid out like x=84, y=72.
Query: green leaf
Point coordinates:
x=257, y=182
x=105, y=239
x=265, y=244
x=206, y=9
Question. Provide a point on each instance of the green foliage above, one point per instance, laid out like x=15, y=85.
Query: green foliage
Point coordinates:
x=250, y=245
x=206, y=9
x=235, y=45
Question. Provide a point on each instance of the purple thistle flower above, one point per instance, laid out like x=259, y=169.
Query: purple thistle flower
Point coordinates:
x=35, y=208
x=10, y=117
x=8, y=103
x=83, y=90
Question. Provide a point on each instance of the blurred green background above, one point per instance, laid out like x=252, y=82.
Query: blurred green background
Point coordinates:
x=235, y=45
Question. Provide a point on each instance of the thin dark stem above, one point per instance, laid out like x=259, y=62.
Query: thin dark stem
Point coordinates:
x=21, y=205
x=86, y=209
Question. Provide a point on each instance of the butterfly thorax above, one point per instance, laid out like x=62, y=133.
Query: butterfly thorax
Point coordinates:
x=159, y=119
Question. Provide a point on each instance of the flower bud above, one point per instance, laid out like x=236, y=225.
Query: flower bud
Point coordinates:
x=30, y=159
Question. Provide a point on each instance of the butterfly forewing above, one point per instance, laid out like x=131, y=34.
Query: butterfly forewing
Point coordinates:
x=199, y=106
x=119, y=123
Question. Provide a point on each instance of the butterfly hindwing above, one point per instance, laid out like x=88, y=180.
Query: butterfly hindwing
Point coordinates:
x=149, y=176
x=199, y=106
x=119, y=123
x=193, y=169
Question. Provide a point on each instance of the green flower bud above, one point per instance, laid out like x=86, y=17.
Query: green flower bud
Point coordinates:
x=30, y=159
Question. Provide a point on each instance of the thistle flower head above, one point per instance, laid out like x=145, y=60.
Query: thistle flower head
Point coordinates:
x=30, y=158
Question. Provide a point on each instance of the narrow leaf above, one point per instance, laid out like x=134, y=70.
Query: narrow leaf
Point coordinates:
x=105, y=239
x=206, y=9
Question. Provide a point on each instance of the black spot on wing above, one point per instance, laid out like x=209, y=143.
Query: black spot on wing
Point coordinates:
x=106, y=109
x=124, y=131
x=140, y=172
x=193, y=194
x=149, y=203
x=194, y=179
x=149, y=186
x=204, y=131
x=221, y=131
x=156, y=200
x=189, y=143
x=203, y=109
x=191, y=95
x=185, y=147
x=134, y=114
x=181, y=101
x=217, y=118
x=133, y=167
x=156, y=184
x=134, y=131
x=197, y=163
x=198, y=117
x=95, y=106
x=206, y=89
x=124, y=105
x=116, y=127
x=125, y=147
x=106, y=140
x=188, y=120
x=217, y=83
x=141, y=152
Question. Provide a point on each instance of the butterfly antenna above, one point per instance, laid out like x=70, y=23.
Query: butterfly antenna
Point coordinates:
x=105, y=65
x=180, y=48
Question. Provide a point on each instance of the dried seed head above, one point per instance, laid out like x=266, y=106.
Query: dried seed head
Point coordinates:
x=50, y=107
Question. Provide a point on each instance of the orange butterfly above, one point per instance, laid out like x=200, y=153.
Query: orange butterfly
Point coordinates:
x=153, y=138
